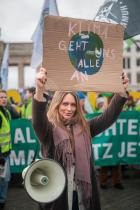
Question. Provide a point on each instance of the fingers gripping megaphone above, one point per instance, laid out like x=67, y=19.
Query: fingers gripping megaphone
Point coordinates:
x=44, y=180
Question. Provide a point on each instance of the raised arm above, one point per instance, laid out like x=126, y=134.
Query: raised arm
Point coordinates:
x=109, y=116
x=39, y=119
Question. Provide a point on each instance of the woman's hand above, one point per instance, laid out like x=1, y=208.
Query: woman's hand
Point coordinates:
x=41, y=79
x=125, y=82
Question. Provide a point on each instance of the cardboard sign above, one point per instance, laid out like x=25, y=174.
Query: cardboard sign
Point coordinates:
x=82, y=55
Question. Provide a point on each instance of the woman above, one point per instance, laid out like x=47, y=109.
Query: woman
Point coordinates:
x=66, y=137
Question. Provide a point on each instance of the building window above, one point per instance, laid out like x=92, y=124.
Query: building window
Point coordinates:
x=138, y=62
x=128, y=49
x=126, y=63
x=129, y=77
x=138, y=77
x=137, y=48
x=123, y=63
x=13, y=77
x=29, y=76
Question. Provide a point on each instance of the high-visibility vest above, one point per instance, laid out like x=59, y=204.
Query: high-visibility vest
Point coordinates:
x=26, y=110
x=5, y=135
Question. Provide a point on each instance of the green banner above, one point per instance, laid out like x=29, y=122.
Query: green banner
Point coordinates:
x=24, y=145
x=119, y=144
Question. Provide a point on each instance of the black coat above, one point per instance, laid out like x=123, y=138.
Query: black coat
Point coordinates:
x=43, y=129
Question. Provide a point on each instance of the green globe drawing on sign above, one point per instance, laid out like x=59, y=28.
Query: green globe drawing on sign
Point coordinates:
x=86, y=52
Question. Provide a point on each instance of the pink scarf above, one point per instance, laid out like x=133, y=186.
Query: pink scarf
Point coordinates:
x=63, y=150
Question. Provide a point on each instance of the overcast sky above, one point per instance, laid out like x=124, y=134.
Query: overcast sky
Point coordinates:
x=18, y=18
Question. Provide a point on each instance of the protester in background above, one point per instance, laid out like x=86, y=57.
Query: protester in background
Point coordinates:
x=84, y=102
x=65, y=136
x=82, y=97
x=115, y=170
x=26, y=110
x=116, y=174
x=129, y=106
x=101, y=103
x=11, y=106
x=5, y=147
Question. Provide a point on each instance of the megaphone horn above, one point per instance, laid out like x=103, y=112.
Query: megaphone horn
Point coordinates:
x=44, y=180
x=38, y=177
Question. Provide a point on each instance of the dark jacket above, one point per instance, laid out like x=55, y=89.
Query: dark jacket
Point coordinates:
x=43, y=129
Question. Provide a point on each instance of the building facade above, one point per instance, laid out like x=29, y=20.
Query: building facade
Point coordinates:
x=131, y=64
x=19, y=64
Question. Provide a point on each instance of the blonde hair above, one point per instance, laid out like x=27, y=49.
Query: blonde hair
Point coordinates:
x=53, y=113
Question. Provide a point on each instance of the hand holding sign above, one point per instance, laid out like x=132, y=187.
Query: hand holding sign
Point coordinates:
x=41, y=79
x=125, y=82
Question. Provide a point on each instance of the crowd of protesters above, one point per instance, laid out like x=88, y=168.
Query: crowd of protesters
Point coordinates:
x=24, y=107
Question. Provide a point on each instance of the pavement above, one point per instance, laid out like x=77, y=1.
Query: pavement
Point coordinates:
x=111, y=199
x=127, y=199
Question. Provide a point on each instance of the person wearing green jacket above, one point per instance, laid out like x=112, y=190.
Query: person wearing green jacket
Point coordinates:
x=26, y=110
x=5, y=147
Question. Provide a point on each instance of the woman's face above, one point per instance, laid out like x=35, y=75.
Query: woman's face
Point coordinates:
x=67, y=108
